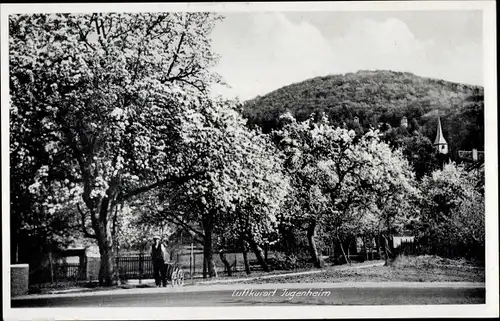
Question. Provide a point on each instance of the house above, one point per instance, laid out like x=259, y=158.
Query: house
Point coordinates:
x=80, y=263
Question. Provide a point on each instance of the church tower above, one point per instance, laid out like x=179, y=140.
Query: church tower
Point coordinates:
x=440, y=143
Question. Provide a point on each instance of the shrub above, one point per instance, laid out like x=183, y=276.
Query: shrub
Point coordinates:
x=284, y=261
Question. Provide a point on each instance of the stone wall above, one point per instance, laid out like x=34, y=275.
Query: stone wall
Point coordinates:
x=19, y=279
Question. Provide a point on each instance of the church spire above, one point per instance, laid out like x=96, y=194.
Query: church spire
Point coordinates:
x=440, y=143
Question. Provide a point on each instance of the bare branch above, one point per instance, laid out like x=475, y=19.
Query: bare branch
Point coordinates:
x=174, y=60
x=201, y=87
x=83, y=37
x=177, y=221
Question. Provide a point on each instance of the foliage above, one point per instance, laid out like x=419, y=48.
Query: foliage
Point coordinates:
x=135, y=225
x=420, y=153
x=101, y=94
x=283, y=261
x=238, y=183
x=453, y=209
x=347, y=184
x=239, y=170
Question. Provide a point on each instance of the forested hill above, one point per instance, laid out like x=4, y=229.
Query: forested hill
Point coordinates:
x=377, y=97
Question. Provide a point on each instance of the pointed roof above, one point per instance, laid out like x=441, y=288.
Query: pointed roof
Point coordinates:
x=439, y=135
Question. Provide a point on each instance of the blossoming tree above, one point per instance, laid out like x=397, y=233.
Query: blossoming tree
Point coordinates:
x=103, y=93
x=239, y=186
x=336, y=176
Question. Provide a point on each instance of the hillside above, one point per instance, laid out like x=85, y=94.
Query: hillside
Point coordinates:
x=380, y=97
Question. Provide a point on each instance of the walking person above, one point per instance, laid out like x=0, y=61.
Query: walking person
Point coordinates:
x=158, y=253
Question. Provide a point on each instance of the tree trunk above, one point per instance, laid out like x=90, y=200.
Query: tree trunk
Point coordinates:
x=245, y=258
x=387, y=251
x=102, y=226
x=259, y=254
x=208, y=251
x=51, y=268
x=107, y=266
x=377, y=243
x=311, y=233
x=222, y=256
x=387, y=247
x=347, y=260
x=204, y=267
x=287, y=240
x=365, y=247
x=107, y=270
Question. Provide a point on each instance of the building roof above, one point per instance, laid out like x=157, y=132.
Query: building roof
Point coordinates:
x=439, y=135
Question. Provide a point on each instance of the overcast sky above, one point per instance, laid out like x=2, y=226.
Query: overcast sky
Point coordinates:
x=261, y=52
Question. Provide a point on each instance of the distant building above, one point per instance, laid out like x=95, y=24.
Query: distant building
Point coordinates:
x=404, y=122
x=397, y=240
x=440, y=143
x=472, y=156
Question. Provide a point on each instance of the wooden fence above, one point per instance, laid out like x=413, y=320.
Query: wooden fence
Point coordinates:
x=444, y=250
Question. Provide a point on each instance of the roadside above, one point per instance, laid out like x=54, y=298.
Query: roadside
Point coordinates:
x=237, y=277
x=214, y=288
x=422, y=269
x=298, y=273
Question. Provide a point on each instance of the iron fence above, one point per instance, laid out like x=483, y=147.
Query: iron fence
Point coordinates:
x=130, y=267
x=69, y=272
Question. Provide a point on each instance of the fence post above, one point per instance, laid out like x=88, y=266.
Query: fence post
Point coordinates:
x=83, y=269
x=140, y=267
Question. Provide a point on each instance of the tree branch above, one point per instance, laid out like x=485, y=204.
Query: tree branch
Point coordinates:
x=200, y=88
x=174, y=60
x=110, y=19
x=84, y=228
x=175, y=220
x=84, y=38
x=143, y=189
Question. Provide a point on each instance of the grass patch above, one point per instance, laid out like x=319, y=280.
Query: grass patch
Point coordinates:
x=433, y=261
x=403, y=269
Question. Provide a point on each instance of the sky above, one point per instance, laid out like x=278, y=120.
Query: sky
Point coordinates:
x=263, y=51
